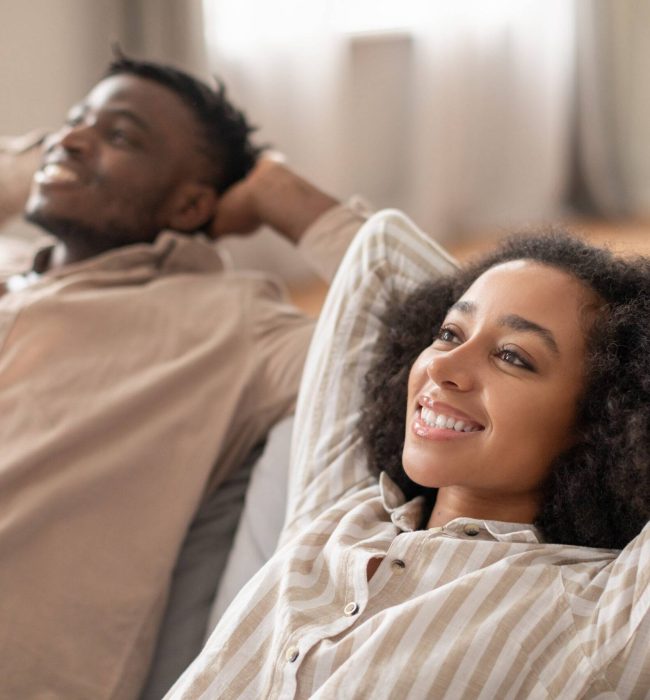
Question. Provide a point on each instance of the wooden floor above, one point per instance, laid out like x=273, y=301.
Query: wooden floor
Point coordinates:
x=624, y=237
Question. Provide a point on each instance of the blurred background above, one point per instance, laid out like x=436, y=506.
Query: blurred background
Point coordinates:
x=474, y=116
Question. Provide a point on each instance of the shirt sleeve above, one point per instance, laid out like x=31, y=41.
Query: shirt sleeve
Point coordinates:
x=388, y=257
x=620, y=624
x=326, y=240
x=280, y=333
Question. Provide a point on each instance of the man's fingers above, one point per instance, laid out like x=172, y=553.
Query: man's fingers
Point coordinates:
x=274, y=156
x=20, y=144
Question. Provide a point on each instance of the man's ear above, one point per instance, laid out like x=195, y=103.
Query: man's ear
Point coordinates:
x=192, y=207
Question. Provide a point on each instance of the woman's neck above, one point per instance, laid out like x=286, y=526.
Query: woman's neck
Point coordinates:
x=453, y=502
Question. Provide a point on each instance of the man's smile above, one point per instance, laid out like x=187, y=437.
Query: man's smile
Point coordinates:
x=57, y=174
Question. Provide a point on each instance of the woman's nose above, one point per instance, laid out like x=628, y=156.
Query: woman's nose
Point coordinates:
x=454, y=369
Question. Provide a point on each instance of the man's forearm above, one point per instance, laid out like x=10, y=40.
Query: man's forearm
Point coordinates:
x=19, y=158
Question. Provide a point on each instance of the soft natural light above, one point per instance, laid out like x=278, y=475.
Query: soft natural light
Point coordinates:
x=360, y=16
x=235, y=26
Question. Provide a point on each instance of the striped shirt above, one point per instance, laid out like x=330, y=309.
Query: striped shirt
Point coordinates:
x=475, y=609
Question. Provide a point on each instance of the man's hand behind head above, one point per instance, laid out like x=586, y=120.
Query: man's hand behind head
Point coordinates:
x=272, y=194
x=238, y=209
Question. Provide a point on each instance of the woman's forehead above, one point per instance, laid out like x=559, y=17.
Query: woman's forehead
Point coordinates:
x=541, y=293
x=513, y=278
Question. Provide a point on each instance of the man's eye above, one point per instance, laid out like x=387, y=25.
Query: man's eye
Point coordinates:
x=119, y=137
x=74, y=120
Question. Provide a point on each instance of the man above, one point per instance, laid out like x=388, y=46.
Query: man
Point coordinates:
x=134, y=369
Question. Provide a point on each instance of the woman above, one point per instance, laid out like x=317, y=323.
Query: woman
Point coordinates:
x=519, y=391
x=597, y=491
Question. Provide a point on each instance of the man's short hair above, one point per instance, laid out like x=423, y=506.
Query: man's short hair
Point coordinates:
x=224, y=129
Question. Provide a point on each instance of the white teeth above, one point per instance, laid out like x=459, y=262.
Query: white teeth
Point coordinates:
x=441, y=421
x=427, y=415
x=53, y=173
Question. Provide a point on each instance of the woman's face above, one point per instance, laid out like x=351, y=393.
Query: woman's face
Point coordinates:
x=493, y=400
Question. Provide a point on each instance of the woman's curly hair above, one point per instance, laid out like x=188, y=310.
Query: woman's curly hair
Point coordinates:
x=598, y=492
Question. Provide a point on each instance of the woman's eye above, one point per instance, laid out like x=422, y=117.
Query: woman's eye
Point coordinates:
x=447, y=335
x=513, y=358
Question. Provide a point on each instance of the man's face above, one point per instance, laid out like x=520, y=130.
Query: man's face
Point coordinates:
x=113, y=174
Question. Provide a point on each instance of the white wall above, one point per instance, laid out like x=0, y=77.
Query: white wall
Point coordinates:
x=51, y=51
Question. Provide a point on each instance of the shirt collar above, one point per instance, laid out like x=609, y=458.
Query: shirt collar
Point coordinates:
x=170, y=253
x=407, y=516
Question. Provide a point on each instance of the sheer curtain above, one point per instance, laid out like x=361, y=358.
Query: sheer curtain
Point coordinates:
x=165, y=30
x=613, y=107
x=460, y=113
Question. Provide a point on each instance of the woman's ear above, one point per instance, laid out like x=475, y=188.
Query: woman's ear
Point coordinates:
x=193, y=206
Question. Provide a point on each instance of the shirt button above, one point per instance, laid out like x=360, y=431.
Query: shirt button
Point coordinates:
x=398, y=566
x=292, y=654
x=351, y=609
x=471, y=529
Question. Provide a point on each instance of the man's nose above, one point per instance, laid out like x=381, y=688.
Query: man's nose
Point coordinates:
x=456, y=369
x=77, y=139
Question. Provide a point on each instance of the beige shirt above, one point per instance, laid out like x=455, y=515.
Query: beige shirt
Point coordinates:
x=126, y=382
x=472, y=610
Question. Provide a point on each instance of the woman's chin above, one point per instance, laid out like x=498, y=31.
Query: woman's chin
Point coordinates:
x=425, y=475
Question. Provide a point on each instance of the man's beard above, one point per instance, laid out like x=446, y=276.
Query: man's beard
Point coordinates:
x=83, y=236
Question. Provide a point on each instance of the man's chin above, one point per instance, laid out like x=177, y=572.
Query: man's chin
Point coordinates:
x=61, y=227
x=86, y=238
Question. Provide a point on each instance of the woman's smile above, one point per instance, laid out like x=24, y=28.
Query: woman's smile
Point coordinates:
x=434, y=420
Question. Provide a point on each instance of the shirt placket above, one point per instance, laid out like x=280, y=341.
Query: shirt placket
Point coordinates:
x=346, y=613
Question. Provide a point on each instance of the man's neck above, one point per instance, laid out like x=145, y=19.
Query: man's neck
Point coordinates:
x=64, y=254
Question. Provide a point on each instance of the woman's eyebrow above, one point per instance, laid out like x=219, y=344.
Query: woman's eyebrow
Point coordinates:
x=466, y=307
x=519, y=323
x=514, y=321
